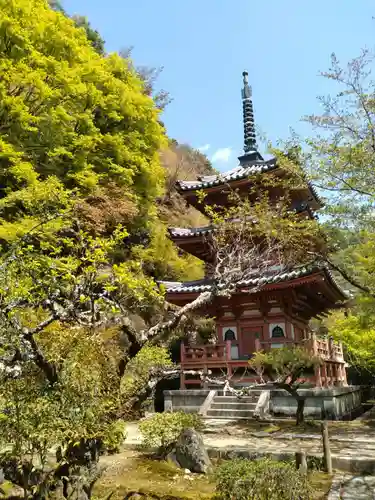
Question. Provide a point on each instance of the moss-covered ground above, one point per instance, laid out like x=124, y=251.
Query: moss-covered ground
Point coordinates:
x=132, y=471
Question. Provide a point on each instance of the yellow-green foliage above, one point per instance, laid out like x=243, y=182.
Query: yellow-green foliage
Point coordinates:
x=162, y=429
x=139, y=368
x=77, y=130
x=356, y=331
x=69, y=118
x=162, y=260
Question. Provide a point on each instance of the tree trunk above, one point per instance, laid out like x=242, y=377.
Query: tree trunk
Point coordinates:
x=300, y=418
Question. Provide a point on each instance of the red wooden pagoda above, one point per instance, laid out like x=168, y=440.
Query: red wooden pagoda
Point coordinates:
x=278, y=313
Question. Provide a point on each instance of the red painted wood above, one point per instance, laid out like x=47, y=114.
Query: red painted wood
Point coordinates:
x=248, y=336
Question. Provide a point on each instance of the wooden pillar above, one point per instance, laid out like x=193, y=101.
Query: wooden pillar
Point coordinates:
x=257, y=344
x=182, y=381
x=314, y=344
x=324, y=374
x=288, y=329
x=329, y=373
x=228, y=356
x=344, y=379
x=326, y=448
x=228, y=353
x=336, y=374
x=182, y=358
x=318, y=376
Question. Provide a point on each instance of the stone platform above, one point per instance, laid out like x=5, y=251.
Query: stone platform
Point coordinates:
x=335, y=403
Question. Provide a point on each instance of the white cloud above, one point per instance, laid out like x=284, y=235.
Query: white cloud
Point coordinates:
x=222, y=154
x=204, y=148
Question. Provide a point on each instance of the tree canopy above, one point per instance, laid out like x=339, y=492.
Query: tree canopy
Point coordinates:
x=72, y=122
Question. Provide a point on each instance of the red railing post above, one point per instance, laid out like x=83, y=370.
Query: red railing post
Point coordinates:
x=331, y=348
x=257, y=345
x=228, y=345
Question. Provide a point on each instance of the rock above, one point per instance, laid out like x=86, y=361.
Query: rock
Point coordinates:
x=262, y=408
x=187, y=471
x=171, y=457
x=191, y=453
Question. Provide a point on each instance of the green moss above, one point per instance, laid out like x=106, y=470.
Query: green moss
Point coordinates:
x=130, y=471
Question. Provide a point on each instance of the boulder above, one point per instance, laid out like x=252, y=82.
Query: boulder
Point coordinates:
x=191, y=453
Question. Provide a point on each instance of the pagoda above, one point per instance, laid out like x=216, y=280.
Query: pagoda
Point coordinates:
x=278, y=313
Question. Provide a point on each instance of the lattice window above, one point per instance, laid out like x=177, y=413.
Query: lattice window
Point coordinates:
x=277, y=332
x=230, y=335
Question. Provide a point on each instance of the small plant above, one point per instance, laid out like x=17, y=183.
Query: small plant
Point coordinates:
x=265, y=479
x=162, y=429
x=116, y=433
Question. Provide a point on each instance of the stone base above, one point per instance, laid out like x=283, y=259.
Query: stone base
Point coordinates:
x=336, y=403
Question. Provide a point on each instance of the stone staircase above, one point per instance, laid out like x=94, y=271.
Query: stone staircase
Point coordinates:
x=231, y=407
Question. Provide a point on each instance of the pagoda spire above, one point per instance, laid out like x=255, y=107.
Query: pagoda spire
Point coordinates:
x=250, y=143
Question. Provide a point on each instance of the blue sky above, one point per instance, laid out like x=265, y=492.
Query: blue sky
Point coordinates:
x=205, y=45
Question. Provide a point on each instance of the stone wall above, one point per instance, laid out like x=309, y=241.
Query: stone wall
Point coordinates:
x=336, y=403
x=188, y=400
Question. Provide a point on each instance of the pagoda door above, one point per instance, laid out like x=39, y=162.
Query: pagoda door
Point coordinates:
x=247, y=341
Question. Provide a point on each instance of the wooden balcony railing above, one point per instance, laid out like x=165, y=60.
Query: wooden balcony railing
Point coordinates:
x=206, y=354
x=214, y=354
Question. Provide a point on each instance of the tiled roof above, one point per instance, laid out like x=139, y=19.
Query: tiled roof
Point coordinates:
x=190, y=232
x=240, y=172
x=277, y=276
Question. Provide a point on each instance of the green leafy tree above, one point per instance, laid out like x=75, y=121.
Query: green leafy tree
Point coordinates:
x=92, y=35
x=341, y=159
x=285, y=368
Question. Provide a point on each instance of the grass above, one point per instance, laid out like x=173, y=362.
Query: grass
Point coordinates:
x=131, y=471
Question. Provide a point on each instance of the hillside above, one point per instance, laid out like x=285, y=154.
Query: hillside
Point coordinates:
x=182, y=163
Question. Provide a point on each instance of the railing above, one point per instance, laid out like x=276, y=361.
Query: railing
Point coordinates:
x=327, y=349
x=209, y=353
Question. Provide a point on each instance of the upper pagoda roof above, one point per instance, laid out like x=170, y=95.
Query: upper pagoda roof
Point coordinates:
x=251, y=163
x=238, y=173
x=181, y=232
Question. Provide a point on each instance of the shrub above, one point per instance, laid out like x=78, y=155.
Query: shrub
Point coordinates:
x=265, y=479
x=115, y=435
x=162, y=429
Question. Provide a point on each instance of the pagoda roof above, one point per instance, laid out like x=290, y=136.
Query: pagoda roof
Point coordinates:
x=275, y=276
x=196, y=232
x=241, y=172
x=180, y=232
x=238, y=173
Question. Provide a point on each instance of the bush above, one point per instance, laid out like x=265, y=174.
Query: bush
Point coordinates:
x=162, y=429
x=115, y=435
x=265, y=479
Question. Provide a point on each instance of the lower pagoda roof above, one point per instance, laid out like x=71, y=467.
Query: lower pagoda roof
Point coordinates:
x=292, y=277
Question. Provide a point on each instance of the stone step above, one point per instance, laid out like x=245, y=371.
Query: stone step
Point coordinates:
x=230, y=414
x=251, y=394
x=233, y=399
x=232, y=406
